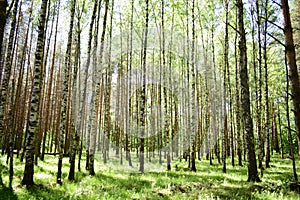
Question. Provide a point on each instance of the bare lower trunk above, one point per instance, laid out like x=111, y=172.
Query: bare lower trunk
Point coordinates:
x=291, y=57
x=245, y=97
x=34, y=116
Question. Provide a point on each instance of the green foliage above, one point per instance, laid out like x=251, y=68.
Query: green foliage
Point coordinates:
x=121, y=182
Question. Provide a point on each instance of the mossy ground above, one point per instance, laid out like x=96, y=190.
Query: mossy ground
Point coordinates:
x=115, y=181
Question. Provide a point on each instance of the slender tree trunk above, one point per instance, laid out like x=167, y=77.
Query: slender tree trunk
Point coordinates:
x=291, y=57
x=238, y=102
x=259, y=97
x=226, y=67
x=65, y=91
x=48, y=101
x=193, y=97
x=280, y=134
x=75, y=137
x=129, y=79
x=266, y=92
x=290, y=140
x=275, y=130
x=34, y=116
x=3, y=5
x=97, y=92
x=82, y=110
x=143, y=92
x=21, y=99
x=245, y=97
x=7, y=69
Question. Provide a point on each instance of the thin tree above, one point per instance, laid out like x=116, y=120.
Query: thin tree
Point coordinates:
x=237, y=100
x=7, y=69
x=82, y=110
x=65, y=91
x=291, y=58
x=129, y=116
x=245, y=97
x=193, y=94
x=50, y=83
x=290, y=140
x=3, y=5
x=259, y=92
x=35, y=101
x=266, y=88
x=97, y=92
x=226, y=64
x=274, y=130
x=75, y=132
x=143, y=92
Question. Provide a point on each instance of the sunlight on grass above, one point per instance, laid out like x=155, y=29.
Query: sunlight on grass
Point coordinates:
x=115, y=181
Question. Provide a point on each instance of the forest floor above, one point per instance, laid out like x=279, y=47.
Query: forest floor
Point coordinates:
x=115, y=181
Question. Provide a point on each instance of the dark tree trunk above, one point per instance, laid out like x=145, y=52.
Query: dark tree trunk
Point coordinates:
x=3, y=5
x=291, y=57
x=245, y=97
x=290, y=140
x=274, y=131
x=143, y=92
x=266, y=89
x=280, y=135
x=64, y=120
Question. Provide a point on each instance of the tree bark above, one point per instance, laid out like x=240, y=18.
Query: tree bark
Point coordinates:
x=7, y=70
x=34, y=116
x=245, y=97
x=143, y=92
x=64, y=121
x=3, y=5
x=291, y=58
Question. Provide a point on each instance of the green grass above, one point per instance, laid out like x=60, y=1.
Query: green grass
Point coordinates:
x=115, y=181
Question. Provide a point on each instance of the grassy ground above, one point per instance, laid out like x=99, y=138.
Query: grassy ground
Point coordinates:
x=115, y=181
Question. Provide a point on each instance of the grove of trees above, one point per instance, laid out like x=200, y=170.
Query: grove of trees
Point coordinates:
x=167, y=79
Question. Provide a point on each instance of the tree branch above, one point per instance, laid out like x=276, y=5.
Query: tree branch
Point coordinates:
x=278, y=4
x=234, y=28
x=281, y=28
x=277, y=40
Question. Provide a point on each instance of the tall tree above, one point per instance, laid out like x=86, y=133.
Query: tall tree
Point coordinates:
x=259, y=91
x=245, y=97
x=35, y=101
x=290, y=140
x=143, y=92
x=82, y=109
x=8, y=68
x=3, y=5
x=193, y=94
x=48, y=100
x=65, y=90
x=226, y=67
x=266, y=87
x=75, y=132
x=291, y=58
x=97, y=92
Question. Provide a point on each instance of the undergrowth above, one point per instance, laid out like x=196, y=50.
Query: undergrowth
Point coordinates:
x=116, y=181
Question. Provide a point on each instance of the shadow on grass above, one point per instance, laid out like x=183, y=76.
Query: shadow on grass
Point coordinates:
x=7, y=193
x=125, y=188
x=230, y=192
x=46, y=192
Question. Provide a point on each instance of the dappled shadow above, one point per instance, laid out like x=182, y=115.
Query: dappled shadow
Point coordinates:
x=130, y=183
x=7, y=193
x=231, y=192
x=46, y=192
